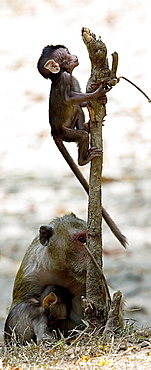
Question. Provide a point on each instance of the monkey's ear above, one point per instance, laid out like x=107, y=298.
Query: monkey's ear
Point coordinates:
x=45, y=233
x=52, y=66
x=49, y=300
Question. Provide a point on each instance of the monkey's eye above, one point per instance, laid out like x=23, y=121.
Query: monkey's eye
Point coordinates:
x=82, y=239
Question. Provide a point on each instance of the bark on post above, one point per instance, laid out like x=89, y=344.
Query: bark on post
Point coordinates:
x=97, y=295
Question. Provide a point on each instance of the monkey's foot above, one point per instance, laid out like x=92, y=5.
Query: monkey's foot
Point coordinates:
x=92, y=153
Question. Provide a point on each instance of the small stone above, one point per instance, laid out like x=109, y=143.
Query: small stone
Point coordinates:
x=144, y=344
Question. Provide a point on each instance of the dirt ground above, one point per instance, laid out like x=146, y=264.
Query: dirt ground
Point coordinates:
x=35, y=182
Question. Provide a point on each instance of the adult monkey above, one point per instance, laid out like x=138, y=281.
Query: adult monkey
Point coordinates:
x=66, y=114
x=57, y=256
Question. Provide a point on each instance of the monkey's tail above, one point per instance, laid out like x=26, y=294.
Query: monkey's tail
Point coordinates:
x=71, y=163
x=116, y=231
x=114, y=228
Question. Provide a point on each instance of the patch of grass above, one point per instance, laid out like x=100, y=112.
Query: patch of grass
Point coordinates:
x=88, y=349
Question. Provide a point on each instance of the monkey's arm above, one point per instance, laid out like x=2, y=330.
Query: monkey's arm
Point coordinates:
x=71, y=96
x=80, y=97
x=113, y=227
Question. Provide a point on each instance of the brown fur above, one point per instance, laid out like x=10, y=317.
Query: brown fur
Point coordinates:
x=57, y=256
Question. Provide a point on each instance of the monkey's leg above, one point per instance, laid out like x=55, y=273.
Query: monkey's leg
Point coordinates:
x=85, y=155
x=78, y=120
x=81, y=137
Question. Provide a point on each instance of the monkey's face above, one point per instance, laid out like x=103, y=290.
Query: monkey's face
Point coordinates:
x=66, y=61
x=65, y=239
x=76, y=255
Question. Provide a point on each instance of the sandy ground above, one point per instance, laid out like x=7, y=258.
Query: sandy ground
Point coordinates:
x=35, y=182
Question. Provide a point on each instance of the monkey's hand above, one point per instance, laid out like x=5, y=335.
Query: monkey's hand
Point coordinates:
x=104, y=87
x=101, y=91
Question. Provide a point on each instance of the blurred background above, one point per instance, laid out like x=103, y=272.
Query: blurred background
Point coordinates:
x=35, y=182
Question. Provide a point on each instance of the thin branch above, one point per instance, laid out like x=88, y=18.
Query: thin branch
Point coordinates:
x=137, y=87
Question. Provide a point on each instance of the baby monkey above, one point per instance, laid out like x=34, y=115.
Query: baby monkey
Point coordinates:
x=66, y=116
x=35, y=318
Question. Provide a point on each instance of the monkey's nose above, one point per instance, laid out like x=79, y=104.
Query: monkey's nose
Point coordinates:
x=76, y=59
